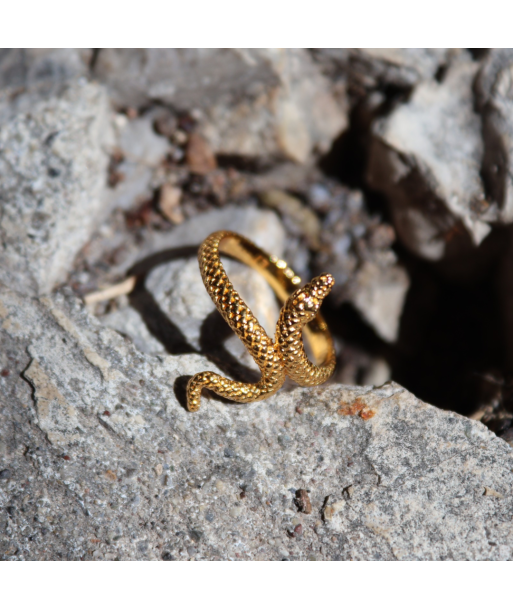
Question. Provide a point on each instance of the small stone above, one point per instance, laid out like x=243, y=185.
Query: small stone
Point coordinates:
x=167, y=556
x=169, y=203
x=5, y=474
x=158, y=469
x=300, y=217
x=235, y=512
x=348, y=491
x=303, y=501
x=199, y=156
x=490, y=492
x=209, y=516
x=332, y=509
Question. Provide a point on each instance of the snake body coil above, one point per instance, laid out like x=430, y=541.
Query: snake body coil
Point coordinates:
x=277, y=358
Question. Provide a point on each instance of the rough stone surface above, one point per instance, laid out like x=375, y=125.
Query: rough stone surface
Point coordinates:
x=356, y=251
x=141, y=152
x=494, y=88
x=53, y=162
x=291, y=120
x=253, y=102
x=372, y=68
x=106, y=464
x=184, y=78
x=25, y=73
x=427, y=158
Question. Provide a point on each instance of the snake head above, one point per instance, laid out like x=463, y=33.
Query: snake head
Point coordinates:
x=307, y=301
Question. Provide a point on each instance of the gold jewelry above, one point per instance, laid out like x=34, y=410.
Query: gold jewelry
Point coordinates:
x=286, y=355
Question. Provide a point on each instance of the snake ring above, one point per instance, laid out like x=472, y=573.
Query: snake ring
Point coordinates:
x=300, y=313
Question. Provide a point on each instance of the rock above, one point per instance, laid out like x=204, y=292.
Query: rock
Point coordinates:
x=140, y=143
x=29, y=73
x=183, y=78
x=140, y=151
x=356, y=250
x=426, y=159
x=199, y=155
x=379, y=295
x=291, y=120
x=175, y=289
x=301, y=219
x=169, y=203
x=425, y=484
x=53, y=162
x=252, y=102
x=495, y=103
x=373, y=68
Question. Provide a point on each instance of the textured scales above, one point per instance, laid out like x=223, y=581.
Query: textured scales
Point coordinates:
x=301, y=308
x=275, y=359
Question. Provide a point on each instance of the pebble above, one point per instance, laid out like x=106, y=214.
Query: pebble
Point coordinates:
x=5, y=474
x=158, y=469
x=303, y=501
x=199, y=155
x=334, y=508
x=209, y=516
x=169, y=203
x=235, y=512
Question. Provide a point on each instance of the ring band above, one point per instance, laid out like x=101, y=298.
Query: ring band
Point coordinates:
x=300, y=312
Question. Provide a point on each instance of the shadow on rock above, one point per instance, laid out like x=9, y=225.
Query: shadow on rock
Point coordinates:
x=214, y=330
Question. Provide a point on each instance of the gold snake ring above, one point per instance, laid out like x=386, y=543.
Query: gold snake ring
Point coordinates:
x=286, y=355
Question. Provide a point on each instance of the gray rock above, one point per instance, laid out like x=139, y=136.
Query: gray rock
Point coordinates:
x=379, y=293
x=177, y=288
x=380, y=67
x=184, y=78
x=357, y=252
x=53, y=162
x=142, y=151
x=254, y=102
x=109, y=465
x=426, y=158
x=140, y=143
x=291, y=120
x=495, y=102
x=41, y=72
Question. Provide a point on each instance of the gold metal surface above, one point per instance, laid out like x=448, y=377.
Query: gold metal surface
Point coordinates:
x=300, y=313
